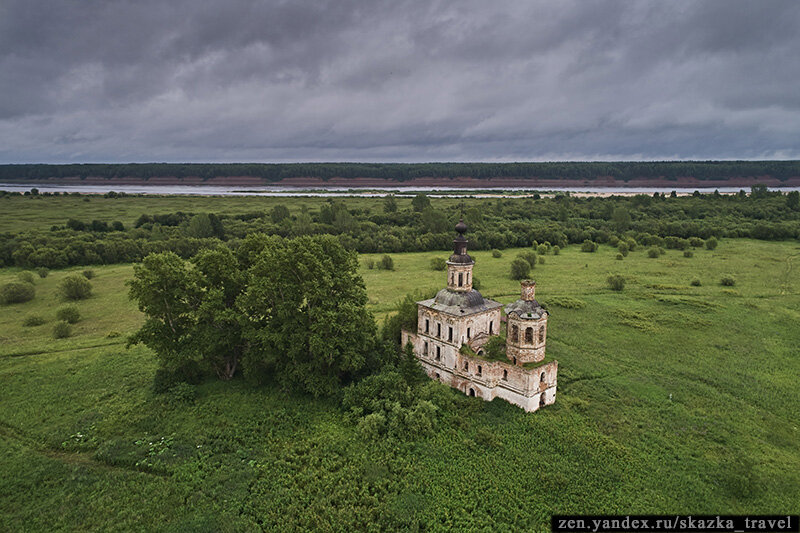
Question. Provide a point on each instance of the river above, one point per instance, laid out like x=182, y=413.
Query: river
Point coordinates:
x=216, y=190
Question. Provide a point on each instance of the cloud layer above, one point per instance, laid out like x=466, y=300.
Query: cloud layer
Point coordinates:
x=246, y=80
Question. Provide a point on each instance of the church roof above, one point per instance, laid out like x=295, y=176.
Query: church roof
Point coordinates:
x=460, y=303
x=526, y=309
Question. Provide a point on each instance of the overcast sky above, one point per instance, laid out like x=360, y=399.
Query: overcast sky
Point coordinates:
x=368, y=80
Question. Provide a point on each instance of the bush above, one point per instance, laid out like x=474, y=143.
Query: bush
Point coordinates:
x=26, y=277
x=16, y=292
x=588, y=246
x=437, y=263
x=695, y=282
x=33, y=320
x=711, y=243
x=69, y=313
x=688, y=253
x=528, y=256
x=43, y=272
x=370, y=264
x=696, y=242
x=75, y=287
x=88, y=273
x=62, y=330
x=620, y=257
x=653, y=252
x=623, y=249
x=541, y=249
x=728, y=281
x=556, y=250
x=616, y=282
x=541, y=260
x=182, y=393
x=476, y=283
x=497, y=253
x=520, y=268
x=386, y=263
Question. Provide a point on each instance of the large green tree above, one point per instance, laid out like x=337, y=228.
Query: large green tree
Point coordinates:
x=308, y=325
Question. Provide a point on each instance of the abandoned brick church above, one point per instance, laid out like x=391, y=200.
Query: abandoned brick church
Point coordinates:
x=455, y=327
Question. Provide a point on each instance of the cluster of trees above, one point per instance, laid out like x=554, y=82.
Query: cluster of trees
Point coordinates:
x=622, y=170
x=288, y=311
x=494, y=224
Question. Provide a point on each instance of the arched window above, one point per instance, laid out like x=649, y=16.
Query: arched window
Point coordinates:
x=480, y=370
x=468, y=333
x=460, y=279
x=438, y=376
x=472, y=392
x=541, y=400
x=541, y=333
x=466, y=365
x=438, y=329
x=515, y=334
x=438, y=353
x=529, y=335
x=505, y=375
x=427, y=325
x=491, y=328
x=450, y=334
x=515, y=360
x=541, y=378
x=425, y=348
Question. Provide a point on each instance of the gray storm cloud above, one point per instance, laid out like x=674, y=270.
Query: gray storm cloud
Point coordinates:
x=235, y=80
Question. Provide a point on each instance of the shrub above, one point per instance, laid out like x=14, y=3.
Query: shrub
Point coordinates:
x=33, y=320
x=69, y=313
x=620, y=257
x=695, y=282
x=520, y=268
x=541, y=249
x=632, y=244
x=728, y=280
x=88, y=273
x=556, y=250
x=16, y=292
x=711, y=243
x=437, y=263
x=497, y=253
x=476, y=283
x=75, y=287
x=688, y=253
x=26, y=277
x=528, y=256
x=623, y=249
x=43, y=272
x=653, y=252
x=182, y=393
x=696, y=242
x=567, y=302
x=588, y=246
x=541, y=260
x=370, y=264
x=386, y=263
x=616, y=282
x=62, y=330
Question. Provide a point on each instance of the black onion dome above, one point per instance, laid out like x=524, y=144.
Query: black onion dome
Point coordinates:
x=460, y=254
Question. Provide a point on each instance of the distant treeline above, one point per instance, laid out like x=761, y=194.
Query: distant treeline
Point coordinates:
x=382, y=226
x=702, y=170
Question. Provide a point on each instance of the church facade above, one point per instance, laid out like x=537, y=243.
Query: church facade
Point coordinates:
x=454, y=330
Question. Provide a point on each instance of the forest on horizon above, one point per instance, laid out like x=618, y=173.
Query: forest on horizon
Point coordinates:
x=274, y=172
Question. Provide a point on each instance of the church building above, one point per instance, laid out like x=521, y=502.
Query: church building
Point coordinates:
x=453, y=341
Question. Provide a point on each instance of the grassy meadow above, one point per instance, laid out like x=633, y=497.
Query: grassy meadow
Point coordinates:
x=672, y=398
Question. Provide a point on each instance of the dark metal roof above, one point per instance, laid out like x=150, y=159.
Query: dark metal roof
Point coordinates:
x=526, y=309
x=463, y=259
x=460, y=303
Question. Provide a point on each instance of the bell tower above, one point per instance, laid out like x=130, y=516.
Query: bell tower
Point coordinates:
x=459, y=266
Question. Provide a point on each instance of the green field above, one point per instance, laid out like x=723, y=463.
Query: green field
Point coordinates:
x=672, y=398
